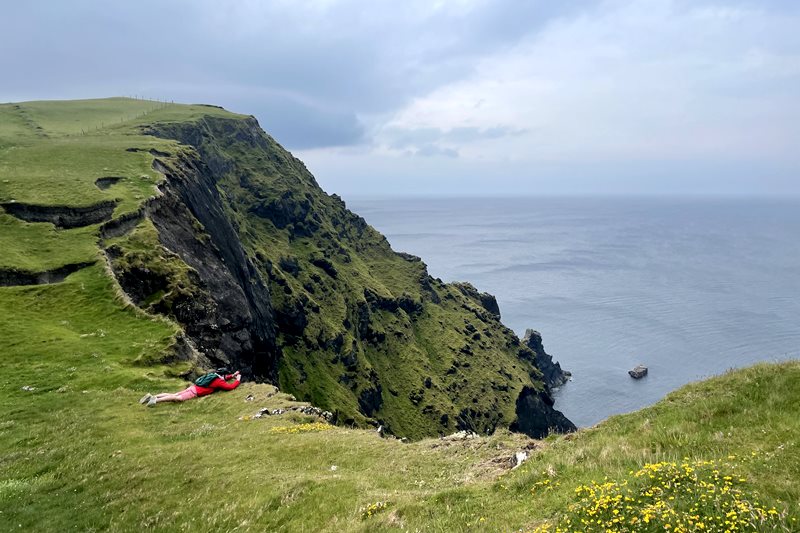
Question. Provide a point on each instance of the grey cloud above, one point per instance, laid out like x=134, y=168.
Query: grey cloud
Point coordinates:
x=475, y=134
x=431, y=150
x=338, y=62
x=400, y=138
x=315, y=73
x=791, y=6
x=301, y=126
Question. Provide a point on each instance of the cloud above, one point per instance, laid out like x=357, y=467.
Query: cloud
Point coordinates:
x=334, y=64
x=518, y=90
x=646, y=79
x=303, y=126
x=436, y=141
x=432, y=150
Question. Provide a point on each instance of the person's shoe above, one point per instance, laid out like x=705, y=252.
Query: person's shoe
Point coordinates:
x=145, y=398
x=151, y=402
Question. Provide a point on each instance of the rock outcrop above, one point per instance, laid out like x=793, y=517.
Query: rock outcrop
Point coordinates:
x=638, y=372
x=484, y=299
x=64, y=217
x=536, y=416
x=222, y=303
x=552, y=374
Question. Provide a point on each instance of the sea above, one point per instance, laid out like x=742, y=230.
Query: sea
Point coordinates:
x=689, y=287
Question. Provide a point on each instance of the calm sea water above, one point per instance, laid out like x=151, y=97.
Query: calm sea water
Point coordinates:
x=689, y=287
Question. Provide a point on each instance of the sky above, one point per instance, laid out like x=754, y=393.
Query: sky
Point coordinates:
x=461, y=97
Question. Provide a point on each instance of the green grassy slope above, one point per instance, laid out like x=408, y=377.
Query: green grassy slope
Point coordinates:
x=46, y=160
x=78, y=452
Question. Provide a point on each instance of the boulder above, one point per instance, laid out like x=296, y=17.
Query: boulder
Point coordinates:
x=638, y=372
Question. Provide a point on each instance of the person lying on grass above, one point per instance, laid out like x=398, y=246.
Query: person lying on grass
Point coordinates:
x=202, y=386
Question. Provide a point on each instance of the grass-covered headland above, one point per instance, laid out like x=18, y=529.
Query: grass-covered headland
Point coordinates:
x=111, y=272
x=218, y=236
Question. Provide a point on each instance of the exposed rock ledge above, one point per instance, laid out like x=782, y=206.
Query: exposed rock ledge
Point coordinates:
x=12, y=277
x=484, y=299
x=62, y=216
x=107, y=182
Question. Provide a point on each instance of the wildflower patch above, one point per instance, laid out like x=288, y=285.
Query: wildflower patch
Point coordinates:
x=373, y=509
x=302, y=428
x=692, y=496
x=545, y=484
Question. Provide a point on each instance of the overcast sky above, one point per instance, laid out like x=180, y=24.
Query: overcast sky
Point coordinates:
x=464, y=97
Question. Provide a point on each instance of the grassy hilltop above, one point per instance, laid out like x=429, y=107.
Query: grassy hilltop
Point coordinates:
x=386, y=343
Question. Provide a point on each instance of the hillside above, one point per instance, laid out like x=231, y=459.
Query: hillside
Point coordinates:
x=142, y=241
x=78, y=453
x=228, y=252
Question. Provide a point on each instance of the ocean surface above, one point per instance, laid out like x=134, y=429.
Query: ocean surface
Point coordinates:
x=689, y=287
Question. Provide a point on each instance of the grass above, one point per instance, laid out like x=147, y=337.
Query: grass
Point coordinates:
x=63, y=171
x=79, y=436
x=77, y=452
x=39, y=246
x=51, y=153
x=73, y=117
x=698, y=495
x=45, y=159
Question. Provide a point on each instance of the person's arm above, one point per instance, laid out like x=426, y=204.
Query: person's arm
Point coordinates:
x=224, y=385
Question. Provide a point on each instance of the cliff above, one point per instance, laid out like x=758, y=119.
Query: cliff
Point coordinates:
x=264, y=271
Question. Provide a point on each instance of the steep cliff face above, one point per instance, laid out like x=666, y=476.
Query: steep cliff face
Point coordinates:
x=180, y=256
x=267, y=272
x=536, y=416
x=552, y=374
x=232, y=321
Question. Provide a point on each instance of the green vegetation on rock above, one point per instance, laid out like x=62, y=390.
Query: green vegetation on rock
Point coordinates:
x=205, y=220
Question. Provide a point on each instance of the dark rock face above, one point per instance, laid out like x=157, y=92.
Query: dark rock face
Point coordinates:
x=124, y=224
x=370, y=399
x=289, y=210
x=62, y=216
x=232, y=321
x=291, y=319
x=138, y=282
x=290, y=265
x=484, y=299
x=404, y=302
x=552, y=374
x=325, y=265
x=536, y=416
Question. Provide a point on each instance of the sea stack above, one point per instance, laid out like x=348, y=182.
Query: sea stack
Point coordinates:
x=638, y=372
x=552, y=373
